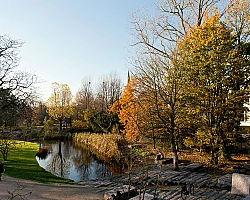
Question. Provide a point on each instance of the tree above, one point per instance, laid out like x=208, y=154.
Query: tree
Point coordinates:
x=9, y=106
x=59, y=105
x=216, y=72
x=17, y=91
x=160, y=87
x=237, y=17
x=127, y=109
x=17, y=88
x=159, y=35
x=84, y=99
x=157, y=63
x=20, y=84
x=103, y=122
x=39, y=113
x=7, y=142
x=108, y=92
x=98, y=116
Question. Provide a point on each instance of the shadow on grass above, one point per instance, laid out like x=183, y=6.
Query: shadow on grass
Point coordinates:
x=22, y=164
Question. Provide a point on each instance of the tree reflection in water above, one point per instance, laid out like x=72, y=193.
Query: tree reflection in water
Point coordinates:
x=74, y=162
x=59, y=163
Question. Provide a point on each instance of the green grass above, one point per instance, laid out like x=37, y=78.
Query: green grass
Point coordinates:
x=22, y=164
x=141, y=152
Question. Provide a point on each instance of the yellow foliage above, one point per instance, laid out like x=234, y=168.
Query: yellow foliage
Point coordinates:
x=215, y=68
x=59, y=105
x=50, y=122
x=77, y=124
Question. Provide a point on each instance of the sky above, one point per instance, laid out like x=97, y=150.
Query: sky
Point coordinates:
x=66, y=41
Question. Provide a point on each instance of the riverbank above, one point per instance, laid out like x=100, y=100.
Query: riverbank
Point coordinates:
x=21, y=163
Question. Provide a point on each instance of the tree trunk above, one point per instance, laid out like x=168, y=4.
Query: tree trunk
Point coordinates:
x=61, y=158
x=70, y=121
x=154, y=140
x=175, y=160
x=173, y=140
x=60, y=128
x=214, y=160
x=174, y=152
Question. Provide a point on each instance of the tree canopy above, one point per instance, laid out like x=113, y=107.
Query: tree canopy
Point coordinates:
x=216, y=85
x=59, y=105
x=192, y=64
x=17, y=88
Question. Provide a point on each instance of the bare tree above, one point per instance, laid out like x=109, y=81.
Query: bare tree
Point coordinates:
x=17, y=92
x=160, y=86
x=175, y=18
x=84, y=99
x=109, y=91
x=21, y=84
x=15, y=83
x=237, y=16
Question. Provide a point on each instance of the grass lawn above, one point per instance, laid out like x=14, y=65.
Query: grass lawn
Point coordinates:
x=22, y=164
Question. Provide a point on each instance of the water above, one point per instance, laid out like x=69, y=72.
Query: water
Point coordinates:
x=75, y=163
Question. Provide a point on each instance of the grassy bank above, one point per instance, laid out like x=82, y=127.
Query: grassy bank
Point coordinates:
x=22, y=164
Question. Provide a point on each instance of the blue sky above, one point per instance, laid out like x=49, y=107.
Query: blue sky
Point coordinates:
x=68, y=40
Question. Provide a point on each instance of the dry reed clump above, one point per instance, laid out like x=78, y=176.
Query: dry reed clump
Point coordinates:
x=105, y=144
x=193, y=157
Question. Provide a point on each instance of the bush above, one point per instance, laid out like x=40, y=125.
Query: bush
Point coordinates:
x=77, y=124
x=141, y=152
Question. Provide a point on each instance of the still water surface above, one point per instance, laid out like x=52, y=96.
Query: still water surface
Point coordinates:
x=75, y=163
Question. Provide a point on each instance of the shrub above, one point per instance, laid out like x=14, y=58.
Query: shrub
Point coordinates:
x=77, y=124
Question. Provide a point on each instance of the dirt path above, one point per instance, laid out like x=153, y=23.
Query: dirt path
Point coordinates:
x=38, y=191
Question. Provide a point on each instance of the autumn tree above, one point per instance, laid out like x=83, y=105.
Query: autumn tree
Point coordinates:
x=157, y=39
x=39, y=113
x=136, y=114
x=127, y=109
x=216, y=73
x=59, y=105
x=156, y=65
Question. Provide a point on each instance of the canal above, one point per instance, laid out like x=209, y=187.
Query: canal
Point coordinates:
x=76, y=163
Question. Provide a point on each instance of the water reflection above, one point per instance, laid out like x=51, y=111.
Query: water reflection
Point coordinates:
x=71, y=162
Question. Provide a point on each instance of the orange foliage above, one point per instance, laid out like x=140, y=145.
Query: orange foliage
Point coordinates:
x=128, y=110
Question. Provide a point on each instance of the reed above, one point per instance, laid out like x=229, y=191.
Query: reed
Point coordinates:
x=109, y=145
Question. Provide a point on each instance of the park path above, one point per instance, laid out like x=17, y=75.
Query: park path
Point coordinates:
x=38, y=191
